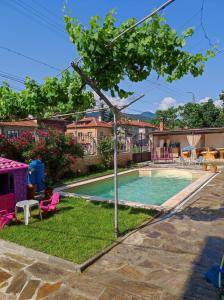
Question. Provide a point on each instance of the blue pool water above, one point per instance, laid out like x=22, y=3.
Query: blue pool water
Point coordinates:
x=136, y=188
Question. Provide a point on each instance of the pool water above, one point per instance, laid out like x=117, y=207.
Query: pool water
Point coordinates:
x=151, y=189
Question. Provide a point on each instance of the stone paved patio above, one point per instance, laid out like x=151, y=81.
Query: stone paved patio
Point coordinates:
x=164, y=260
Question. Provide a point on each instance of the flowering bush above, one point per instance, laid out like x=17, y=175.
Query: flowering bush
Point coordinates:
x=51, y=146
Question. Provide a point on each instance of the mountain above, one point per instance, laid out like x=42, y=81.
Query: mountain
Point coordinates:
x=146, y=116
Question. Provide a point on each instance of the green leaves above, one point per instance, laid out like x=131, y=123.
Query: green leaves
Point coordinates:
x=153, y=46
x=52, y=97
x=192, y=115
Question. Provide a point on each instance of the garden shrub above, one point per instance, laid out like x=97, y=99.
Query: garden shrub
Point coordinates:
x=106, y=150
x=51, y=146
x=96, y=168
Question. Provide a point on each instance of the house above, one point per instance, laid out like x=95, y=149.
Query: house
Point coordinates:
x=88, y=131
x=14, y=128
x=138, y=130
x=130, y=132
x=207, y=142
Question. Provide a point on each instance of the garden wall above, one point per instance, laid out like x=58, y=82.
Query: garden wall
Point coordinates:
x=81, y=164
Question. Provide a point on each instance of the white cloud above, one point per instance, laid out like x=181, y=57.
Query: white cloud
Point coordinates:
x=204, y=100
x=167, y=102
x=217, y=103
x=114, y=100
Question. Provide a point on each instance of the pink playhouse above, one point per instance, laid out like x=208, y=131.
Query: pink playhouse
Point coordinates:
x=13, y=181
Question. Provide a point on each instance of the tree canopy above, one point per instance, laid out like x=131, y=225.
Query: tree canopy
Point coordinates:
x=55, y=95
x=192, y=115
x=153, y=46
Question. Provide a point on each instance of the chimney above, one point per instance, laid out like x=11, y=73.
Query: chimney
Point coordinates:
x=100, y=118
x=161, y=124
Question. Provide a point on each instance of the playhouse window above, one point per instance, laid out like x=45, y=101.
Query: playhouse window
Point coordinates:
x=6, y=184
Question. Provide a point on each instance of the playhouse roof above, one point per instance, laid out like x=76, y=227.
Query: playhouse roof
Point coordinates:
x=10, y=165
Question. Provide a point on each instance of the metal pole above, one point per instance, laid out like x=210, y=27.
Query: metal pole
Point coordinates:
x=116, y=226
x=193, y=96
x=142, y=20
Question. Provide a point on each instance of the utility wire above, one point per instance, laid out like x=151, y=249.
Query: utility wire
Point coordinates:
x=202, y=25
x=39, y=15
x=19, y=10
x=30, y=58
x=53, y=15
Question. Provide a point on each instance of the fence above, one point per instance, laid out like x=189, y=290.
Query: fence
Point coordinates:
x=141, y=157
x=163, y=154
x=89, y=143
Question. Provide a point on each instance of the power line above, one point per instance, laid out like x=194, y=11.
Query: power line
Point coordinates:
x=189, y=19
x=39, y=15
x=11, y=77
x=30, y=58
x=49, y=12
x=202, y=25
x=23, y=11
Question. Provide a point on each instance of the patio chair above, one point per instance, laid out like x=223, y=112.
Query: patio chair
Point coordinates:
x=6, y=217
x=183, y=161
x=50, y=204
x=199, y=160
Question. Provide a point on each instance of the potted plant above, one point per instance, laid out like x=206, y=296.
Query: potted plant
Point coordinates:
x=204, y=166
x=48, y=187
x=213, y=168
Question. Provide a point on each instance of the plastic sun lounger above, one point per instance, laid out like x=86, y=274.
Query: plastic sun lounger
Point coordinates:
x=50, y=205
x=6, y=218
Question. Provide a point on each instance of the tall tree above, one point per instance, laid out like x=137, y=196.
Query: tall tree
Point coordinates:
x=192, y=115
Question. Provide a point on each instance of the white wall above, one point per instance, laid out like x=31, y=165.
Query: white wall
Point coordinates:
x=214, y=140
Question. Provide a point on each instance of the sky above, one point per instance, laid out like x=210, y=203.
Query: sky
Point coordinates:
x=35, y=28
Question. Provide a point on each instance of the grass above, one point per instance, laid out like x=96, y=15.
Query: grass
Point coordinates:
x=79, y=229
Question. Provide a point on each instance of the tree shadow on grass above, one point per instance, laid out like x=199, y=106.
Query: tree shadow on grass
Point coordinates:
x=131, y=210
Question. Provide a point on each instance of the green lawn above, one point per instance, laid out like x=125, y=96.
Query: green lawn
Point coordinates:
x=78, y=230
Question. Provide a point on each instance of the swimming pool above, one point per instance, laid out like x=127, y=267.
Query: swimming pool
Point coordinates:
x=149, y=186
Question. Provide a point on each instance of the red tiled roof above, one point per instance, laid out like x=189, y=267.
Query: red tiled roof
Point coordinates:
x=137, y=123
x=28, y=123
x=89, y=122
x=7, y=164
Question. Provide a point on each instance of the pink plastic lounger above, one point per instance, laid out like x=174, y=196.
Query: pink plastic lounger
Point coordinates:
x=6, y=217
x=50, y=205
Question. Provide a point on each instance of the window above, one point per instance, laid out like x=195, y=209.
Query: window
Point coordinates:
x=80, y=136
x=12, y=133
x=101, y=134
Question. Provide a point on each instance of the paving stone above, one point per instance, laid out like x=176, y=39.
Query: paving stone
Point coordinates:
x=46, y=289
x=115, y=294
x=66, y=294
x=30, y=289
x=4, y=276
x=86, y=286
x=10, y=265
x=20, y=258
x=46, y=272
x=17, y=283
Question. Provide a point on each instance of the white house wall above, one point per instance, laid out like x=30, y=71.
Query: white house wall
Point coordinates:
x=215, y=140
